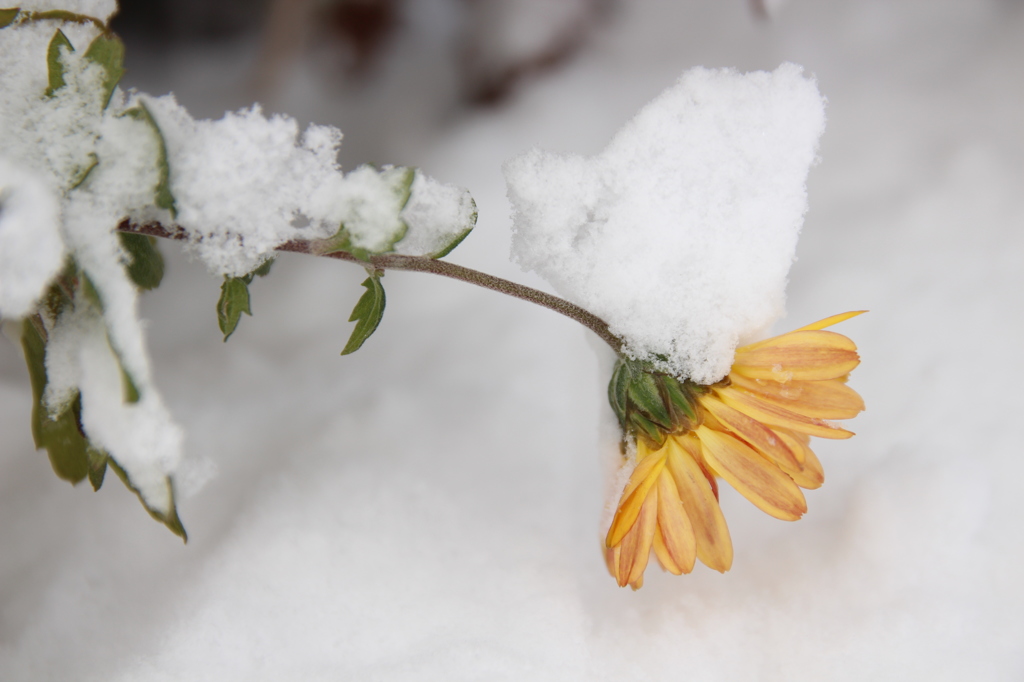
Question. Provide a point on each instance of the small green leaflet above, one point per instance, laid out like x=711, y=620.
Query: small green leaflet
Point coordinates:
x=54, y=65
x=164, y=198
x=234, y=298
x=367, y=314
x=146, y=268
x=107, y=50
x=7, y=16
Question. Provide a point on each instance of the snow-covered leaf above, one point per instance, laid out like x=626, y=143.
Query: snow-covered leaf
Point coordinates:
x=146, y=267
x=107, y=50
x=61, y=437
x=169, y=518
x=164, y=198
x=367, y=314
x=54, y=62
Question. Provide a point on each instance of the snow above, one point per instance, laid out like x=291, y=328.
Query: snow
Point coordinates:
x=31, y=251
x=681, y=232
x=428, y=508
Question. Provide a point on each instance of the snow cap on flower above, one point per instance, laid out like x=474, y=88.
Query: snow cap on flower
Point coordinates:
x=681, y=232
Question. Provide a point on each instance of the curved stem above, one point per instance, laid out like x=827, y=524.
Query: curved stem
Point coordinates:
x=394, y=261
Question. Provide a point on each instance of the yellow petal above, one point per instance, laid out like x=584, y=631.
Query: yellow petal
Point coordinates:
x=640, y=483
x=772, y=414
x=807, y=355
x=830, y=399
x=810, y=475
x=829, y=321
x=675, y=533
x=756, y=434
x=714, y=547
x=635, y=549
x=757, y=479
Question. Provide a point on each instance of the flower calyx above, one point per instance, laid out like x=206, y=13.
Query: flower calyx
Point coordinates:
x=651, y=404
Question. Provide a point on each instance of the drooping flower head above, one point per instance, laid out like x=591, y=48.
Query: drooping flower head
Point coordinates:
x=751, y=429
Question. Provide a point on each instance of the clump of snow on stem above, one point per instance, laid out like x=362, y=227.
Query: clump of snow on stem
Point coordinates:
x=680, y=234
x=72, y=167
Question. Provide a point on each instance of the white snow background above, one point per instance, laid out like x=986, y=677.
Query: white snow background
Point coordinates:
x=427, y=509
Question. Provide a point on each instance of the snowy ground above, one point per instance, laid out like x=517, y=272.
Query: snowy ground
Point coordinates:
x=427, y=508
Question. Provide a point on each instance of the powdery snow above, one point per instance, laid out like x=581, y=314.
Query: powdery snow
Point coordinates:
x=428, y=508
x=681, y=232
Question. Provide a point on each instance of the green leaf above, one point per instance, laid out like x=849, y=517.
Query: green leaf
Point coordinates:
x=7, y=16
x=164, y=198
x=367, y=314
x=450, y=246
x=107, y=50
x=54, y=64
x=169, y=518
x=83, y=173
x=97, y=467
x=263, y=270
x=146, y=268
x=234, y=300
x=61, y=437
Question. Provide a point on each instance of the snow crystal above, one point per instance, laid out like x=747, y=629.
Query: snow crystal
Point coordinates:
x=681, y=232
x=31, y=250
x=436, y=215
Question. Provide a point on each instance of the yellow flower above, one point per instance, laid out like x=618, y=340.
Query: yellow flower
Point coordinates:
x=752, y=429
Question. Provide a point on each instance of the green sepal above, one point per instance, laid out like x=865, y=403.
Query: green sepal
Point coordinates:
x=107, y=50
x=681, y=399
x=162, y=192
x=367, y=314
x=7, y=16
x=234, y=300
x=644, y=394
x=97, y=467
x=169, y=519
x=61, y=437
x=146, y=268
x=54, y=65
x=645, y=428
x=617, y=391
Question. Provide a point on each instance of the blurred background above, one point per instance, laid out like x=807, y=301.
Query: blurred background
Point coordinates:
x=428, y=507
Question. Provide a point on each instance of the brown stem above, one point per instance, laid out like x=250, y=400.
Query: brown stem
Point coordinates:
x=394, y=261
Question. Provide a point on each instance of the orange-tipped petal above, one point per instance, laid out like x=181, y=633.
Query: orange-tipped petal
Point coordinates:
x=829, y=321
x=675, y=532
x=756, y=434
x=830, y=399
x=635, y=548
x=757, y=479
x=810, y=475
x=802, y=356
x=772, y=414
x=640, y=483
x=714, y=547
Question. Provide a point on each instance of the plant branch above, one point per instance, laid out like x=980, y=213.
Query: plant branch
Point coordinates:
x=394, y=261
